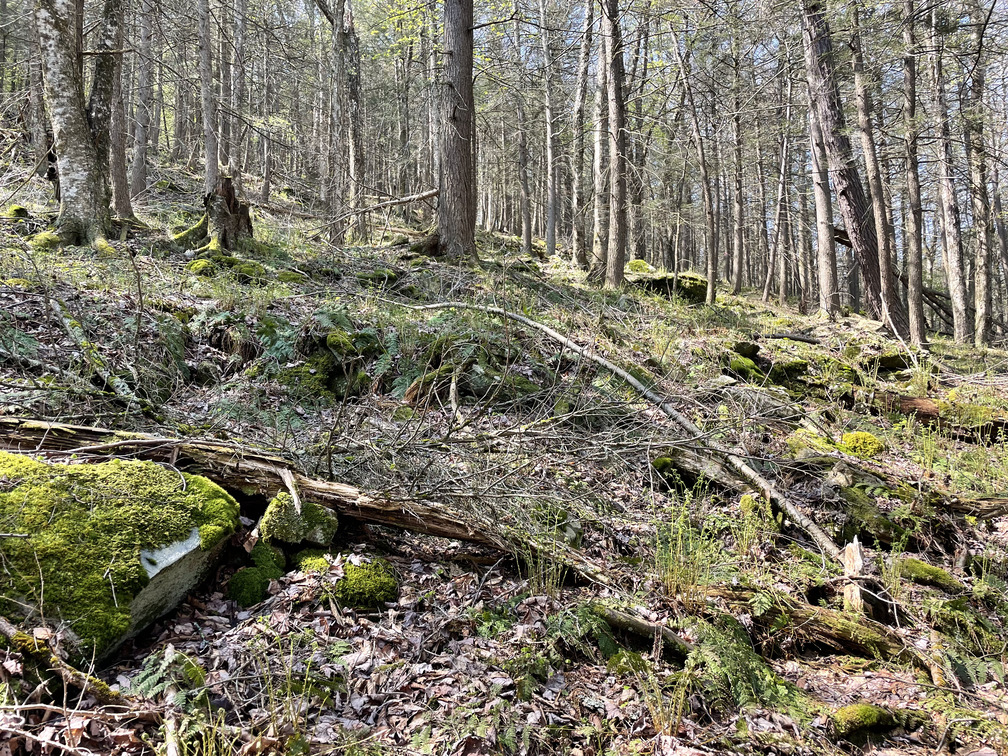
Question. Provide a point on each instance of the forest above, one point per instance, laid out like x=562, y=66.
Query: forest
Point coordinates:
x=619, y=377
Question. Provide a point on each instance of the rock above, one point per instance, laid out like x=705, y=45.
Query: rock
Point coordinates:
x=283, y=522
x=747, y=349
x=688, y=286
x=109, y=547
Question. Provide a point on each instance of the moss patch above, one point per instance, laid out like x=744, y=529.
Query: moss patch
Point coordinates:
x=282, y=522
x=248, y=586
x=923, y=573
x=45, y=240
x=312, y=560
x=87, y=524
x=861, y=718
x=201, y=267
x=367, y=586
x=745, y=369
x=862, y=444
x=16, y=211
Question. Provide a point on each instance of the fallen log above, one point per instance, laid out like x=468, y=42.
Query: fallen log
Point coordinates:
x=950, y=418
x=642, y=628
x=840, y=631
x=254, y=472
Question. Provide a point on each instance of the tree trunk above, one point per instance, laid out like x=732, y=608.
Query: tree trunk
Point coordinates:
x=976, y=148
x=456, y=209
x=238, y=74
x=145, y=95
x=738, y=238
x=883, y=230
x=211, y=170
x=81, y=129
x=617, y=146
x=600, y=225
x=355, y=137
x=117, y=156
x=776, y=260
x=521, y=132
x=551, y=168
x=829, y=292
x=825, y=95
x=953, y=257
x=578, y=241
x=914, y=215
x=228, y=217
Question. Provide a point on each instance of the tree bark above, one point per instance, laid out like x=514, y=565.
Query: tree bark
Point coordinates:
x=914, y=215
x=211, y=170
x=825, y=95
x=238, y=74
x=579, y=246
x=738, y=250
x=355, y=137
x=550, y=118
x=829, y=292
x=884, y=234
x=145, y=99
x=600, y=217
x=456, y=209
x=976, y=149
x=953, y=253
x=616, y=258
x=521, y=129
x=81, y=129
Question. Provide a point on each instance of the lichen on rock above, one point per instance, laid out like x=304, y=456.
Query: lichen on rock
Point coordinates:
x=87, y=525
x=283, y=522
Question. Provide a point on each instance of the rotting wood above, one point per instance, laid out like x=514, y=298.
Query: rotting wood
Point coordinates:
x=738, y=465
x=630, y=623
x=840, y=631
x=931, y=412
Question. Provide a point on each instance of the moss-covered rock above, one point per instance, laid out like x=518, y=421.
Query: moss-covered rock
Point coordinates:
x=865, y=520
x=745, y=369
x=377, y=278
x=639, y=266
x=862, y=444
x=746, y=349
x=282, y=521
x=861, y=719
x=202, y=267
x=918, y=571
x=787, y=372
x=97, y=534
x=367, y=586
x=45, y=240
x=17, y=212
x=689, y=287
x=804, y=443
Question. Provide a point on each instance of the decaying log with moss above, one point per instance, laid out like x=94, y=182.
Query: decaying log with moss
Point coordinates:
x=968, y=422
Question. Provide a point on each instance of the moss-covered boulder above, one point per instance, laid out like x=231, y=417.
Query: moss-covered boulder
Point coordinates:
x=690, y=287
x=918, y=571
x=17, y=212
x=45, y=240
x=745, y=369
x=283, y=522
x=107, y=547
x=857, y=722
x=367, y=586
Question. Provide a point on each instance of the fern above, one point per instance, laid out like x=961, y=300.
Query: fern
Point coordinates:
x=387, y=359
x=171, y=672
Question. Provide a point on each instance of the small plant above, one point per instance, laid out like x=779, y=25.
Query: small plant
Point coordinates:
x=685, y=557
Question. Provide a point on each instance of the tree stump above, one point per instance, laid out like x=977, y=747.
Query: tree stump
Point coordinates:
x=229, y=217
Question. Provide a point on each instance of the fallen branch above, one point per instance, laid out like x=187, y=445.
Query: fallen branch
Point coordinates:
x=258, y=473
x=630, y=623
x=932, y=413
x=741, y=467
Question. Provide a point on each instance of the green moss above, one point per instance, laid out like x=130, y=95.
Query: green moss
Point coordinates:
x=202, y=267
x=248, y=586
x=87, y=526
x=282, y=522
x=803, y=442
x=786, y=372
x=340, y=343
x=861, y=718
x=745, y=369
x=862, y=444
x=403, y=413
x=639, y=266
x=291, y=276
x=747, y=349
x=377, y=278
x=367, y=586
x=249, y=272
x=17, y=211
x=45, y=240
x=103, y=248
x=865, y=519
x=312, y=560
x=194, y=235
x=315, y=379
x=923, y=573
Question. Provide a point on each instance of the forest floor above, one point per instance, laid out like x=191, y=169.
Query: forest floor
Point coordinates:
x=594, y=527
